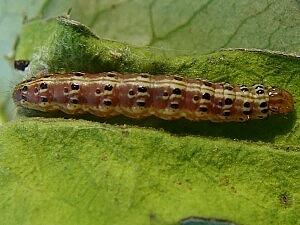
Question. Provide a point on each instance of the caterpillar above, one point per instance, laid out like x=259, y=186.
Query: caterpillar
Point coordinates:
x=141, y=95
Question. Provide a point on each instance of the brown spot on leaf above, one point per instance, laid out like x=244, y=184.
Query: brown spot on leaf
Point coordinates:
x=285, y=200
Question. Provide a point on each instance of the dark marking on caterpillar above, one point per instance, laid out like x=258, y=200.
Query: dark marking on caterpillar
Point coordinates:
x=207, y=83
x=141, y=103
x=226, y=113
x=196, y=98
x=107, y=102
x=178, y=78
x=247, y=104
x=142, y=95
x=174, y=105
x=203, y=109
x=43, y=85
x=142, y=89
x=108, y=87
x=206, y=96
x=75, y=86
x=79, y=74
x=74, y=100
x=177, y=91
x=24, y=88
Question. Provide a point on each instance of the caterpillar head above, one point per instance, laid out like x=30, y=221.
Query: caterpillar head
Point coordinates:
x=280, y=101
x=27, y=94
x=20, y=94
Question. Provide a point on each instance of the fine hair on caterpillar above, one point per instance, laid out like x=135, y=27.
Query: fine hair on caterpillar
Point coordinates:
x=139, y=95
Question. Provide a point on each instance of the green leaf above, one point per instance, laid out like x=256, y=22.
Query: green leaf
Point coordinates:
x=198, y=26
x=150, y=171
x=78, y=172
x=58, y=171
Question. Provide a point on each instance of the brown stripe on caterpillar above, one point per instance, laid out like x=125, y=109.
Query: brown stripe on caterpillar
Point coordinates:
x=141, y=95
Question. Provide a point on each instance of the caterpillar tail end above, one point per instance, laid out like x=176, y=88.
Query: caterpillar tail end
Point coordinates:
x=280, y=101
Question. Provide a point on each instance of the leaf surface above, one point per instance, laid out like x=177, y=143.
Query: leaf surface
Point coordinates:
x=154, y=171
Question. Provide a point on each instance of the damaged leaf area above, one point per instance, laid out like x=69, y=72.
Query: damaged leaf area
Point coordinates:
x=122, y=171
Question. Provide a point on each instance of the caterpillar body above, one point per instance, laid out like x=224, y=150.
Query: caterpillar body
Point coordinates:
x=141, y=95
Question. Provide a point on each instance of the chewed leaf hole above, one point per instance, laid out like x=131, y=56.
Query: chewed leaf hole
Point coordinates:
x=205, y=221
